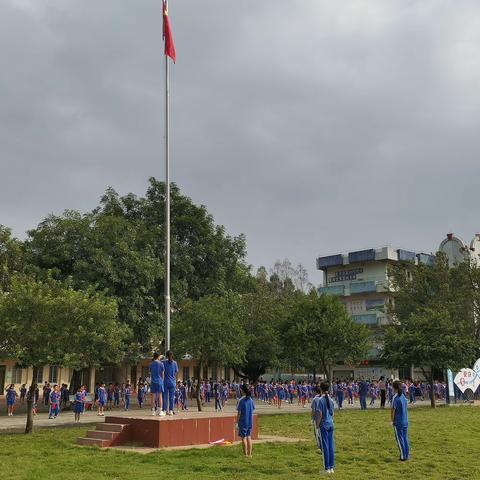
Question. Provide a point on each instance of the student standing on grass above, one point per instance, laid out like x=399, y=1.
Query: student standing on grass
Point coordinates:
x=322, y=411
x=171, y=370
x=399, y=417
x=157, y=375
x=245, y=410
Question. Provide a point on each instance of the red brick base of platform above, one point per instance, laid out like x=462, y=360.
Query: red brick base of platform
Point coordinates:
x=156, y=432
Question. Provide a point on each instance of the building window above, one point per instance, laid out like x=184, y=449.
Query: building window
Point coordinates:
x=40, y=375
x=196, y=372
x=205, y=373
x=226, y=376
x=145, y=372
x=53, y=374
x=186, y=373
x=16, y=375
x=214, y=373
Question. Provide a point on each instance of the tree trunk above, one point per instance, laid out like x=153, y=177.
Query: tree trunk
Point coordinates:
x=75, y=381
x=30, y=401
x=326, y=370
x=199, y=377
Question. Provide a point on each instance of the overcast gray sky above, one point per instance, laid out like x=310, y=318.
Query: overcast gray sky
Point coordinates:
x=312, y=126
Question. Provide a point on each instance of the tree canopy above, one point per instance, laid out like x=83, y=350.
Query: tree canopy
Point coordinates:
x=433, y=320
x=49, y=323
x=119, y=249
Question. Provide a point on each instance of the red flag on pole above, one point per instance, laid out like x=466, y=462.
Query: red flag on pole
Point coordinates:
x=167, y=34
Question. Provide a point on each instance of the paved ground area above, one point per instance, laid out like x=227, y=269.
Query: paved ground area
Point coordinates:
x=66, y=418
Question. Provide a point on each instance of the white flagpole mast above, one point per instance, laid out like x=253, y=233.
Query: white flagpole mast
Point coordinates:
x=167, y=207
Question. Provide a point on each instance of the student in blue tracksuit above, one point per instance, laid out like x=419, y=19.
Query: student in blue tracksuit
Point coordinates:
x=399, y=417
x=102, y=399
x=157, y=384
x=128, y=396
x=322, y=413
x=362, y=393
x=171, y=370
x=11, y=396
x=245, y=410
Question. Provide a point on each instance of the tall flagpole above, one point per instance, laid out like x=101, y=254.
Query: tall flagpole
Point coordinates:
x=167, y=207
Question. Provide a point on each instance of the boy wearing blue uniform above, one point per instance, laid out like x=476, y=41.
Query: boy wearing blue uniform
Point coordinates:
x=102, y=399
x=78, y=404
x=157, y=374
x=245, y=410
x=399, y=417
x=171, y=370
x=322, y=414
x=128, y=396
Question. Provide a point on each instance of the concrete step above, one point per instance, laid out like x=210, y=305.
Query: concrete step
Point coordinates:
x=104, y=435
x=110, y=427
x=93, y=442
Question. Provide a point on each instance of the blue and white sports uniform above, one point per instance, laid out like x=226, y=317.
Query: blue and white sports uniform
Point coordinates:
x=102, y=396
x=325, y=406
x=400, y=425
x=157, y=369
x=245, y=423
x=170, y=382
x=11, y=397
x=78, y=405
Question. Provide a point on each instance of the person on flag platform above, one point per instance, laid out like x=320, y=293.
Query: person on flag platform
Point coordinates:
x=171, y=371
x=157, y=375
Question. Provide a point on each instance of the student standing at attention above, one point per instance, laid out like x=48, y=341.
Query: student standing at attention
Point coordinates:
x=245, y=410
x=171, y=370
x=157, y=374
x=11, y=396
x=322, y=412
x=399, y=417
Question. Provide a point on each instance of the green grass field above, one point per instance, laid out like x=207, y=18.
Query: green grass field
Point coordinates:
x=445, y=444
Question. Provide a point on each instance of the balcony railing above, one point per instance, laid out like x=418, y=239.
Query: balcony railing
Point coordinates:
x=332, y=290
x=366, y=319
x=363, y=287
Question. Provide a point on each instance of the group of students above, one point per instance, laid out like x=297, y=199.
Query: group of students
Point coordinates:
x=323, y=414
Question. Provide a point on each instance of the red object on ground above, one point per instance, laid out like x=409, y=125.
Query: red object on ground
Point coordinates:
x=195, y=429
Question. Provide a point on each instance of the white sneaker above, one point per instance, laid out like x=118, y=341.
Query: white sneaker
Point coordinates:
x=169, y=412
x=162, y=413
x=153, y=412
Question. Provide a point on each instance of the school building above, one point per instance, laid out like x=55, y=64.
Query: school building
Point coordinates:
x=10, y=373
x=361, y=280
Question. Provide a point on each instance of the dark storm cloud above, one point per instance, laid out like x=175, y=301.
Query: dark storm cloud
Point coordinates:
x=311, y=126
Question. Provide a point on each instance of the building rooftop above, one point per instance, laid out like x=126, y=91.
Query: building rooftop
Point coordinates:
x=373, y=254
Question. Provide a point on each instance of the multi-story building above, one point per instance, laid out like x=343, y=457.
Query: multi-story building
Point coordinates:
x=361, y=280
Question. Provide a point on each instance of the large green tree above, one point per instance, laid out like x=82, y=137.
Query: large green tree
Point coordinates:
x=209, y=330
x=433, y=318
x=50, y=323
x=261, y=314
x=319, y=332
x=119, y=248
